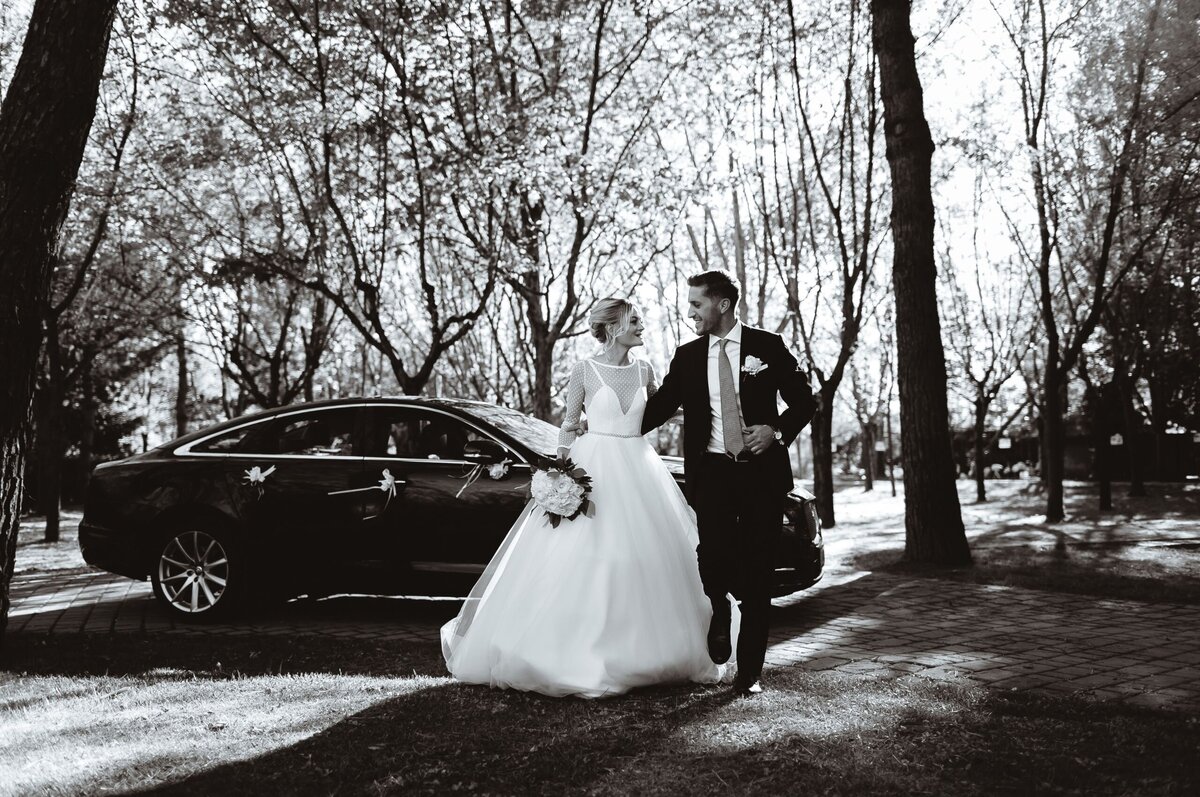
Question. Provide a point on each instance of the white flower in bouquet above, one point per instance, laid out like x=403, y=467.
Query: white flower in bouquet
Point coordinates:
x=561, y=491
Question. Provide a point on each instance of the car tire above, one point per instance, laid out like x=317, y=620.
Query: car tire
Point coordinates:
x=200, y=575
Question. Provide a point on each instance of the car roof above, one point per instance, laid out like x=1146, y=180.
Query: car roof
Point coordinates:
x=443, y=402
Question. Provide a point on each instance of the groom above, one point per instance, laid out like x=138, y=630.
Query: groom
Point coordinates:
x=735, y=458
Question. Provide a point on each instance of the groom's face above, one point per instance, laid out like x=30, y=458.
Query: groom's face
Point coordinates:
x=704, y=310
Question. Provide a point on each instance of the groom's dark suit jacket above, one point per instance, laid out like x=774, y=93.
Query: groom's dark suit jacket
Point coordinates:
x=686, y=384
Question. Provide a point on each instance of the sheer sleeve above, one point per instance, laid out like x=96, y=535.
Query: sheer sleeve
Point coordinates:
x=574, y=408
x=651, y=379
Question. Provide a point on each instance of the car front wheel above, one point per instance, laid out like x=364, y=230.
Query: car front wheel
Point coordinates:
x=198, y=575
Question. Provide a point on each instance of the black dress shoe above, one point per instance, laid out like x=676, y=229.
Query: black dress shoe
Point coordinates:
x=746, y=690
x=719, y=647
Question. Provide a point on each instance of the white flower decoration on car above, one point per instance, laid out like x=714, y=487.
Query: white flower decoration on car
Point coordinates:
x=753, y=366
x=257, y=475
x=498, y=470
x=388, y=483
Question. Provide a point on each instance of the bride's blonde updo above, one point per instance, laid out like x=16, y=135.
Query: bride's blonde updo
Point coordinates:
x=610, y=319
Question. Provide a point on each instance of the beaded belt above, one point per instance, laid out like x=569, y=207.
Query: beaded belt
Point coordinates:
x=613, y=434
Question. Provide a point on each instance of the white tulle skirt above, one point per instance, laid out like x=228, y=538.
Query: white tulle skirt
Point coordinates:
x=598, y=605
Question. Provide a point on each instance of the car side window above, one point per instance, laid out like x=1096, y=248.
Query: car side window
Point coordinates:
x=414, y=433
x=321, y=433
x=227, y=443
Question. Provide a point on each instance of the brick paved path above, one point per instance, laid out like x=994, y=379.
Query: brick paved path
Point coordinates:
x=1004, y=637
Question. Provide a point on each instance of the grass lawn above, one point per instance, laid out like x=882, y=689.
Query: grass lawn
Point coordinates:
x=1147, y=549
x=236, y=715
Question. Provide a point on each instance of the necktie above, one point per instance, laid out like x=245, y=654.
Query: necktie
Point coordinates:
x=731, y=421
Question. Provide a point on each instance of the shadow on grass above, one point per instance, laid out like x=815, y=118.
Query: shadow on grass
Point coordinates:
x=455, y=737
x=691, y=740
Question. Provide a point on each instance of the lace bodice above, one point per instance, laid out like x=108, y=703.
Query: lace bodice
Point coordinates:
x=616, y=411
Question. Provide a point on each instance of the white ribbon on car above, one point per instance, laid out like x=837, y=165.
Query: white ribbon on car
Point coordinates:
x=256, y=477
x=387, y=484
x=495, y=471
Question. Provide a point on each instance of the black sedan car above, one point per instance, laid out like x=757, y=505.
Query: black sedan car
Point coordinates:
x=407, y=496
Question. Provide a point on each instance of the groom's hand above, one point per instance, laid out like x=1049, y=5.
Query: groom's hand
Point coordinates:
x=758, y=438
x=579, y=429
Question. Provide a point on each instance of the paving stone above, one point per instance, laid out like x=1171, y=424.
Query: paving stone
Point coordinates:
x=1096, y=680
x=1023, y=682
x=823, y=663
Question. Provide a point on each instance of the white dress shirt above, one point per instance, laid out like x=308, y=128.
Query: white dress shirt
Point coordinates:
x=733, y=350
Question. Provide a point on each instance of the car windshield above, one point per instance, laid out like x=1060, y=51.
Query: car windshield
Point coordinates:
x=537, y=434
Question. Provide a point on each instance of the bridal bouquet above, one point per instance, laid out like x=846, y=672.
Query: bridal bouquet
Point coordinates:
x=561, y=488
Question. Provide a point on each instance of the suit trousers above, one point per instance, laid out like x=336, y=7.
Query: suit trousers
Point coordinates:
x=739, y=520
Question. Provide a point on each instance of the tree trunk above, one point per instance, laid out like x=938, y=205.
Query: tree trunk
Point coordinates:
x=981, y=408
x=50, y=443
x=891, y=455
x=87, y=434
x=822, y=450
x=44, y=124
x=1098, y=411
x=1054, y=430
x=933, y=524
x=542, y=341
x=739, y=245
x=1131, y=422
x=1053, y=445
x=48, y=453
x=12, y=462
x=543, y=375
x=181, y=386
x=1158, y=424
x=868, y=456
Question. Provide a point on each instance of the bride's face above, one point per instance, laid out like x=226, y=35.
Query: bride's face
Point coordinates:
x=633, y=336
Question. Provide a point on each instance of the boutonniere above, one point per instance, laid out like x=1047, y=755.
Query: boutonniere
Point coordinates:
x=753, y=366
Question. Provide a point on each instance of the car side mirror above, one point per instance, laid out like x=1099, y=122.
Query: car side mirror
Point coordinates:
x=484, y=452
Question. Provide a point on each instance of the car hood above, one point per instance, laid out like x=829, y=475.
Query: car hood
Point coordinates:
x=674, y=465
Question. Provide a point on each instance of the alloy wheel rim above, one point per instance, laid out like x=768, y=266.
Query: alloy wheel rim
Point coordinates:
x=193, y=571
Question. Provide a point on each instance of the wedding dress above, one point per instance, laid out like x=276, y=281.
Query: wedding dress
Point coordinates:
x=603, y=604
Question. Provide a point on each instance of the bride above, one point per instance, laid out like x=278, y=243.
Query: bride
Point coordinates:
x=603, y=604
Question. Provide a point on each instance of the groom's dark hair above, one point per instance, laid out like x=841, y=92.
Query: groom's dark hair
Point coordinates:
x=717, y=285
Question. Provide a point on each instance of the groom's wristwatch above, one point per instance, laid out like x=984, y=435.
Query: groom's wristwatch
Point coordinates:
x=778, y=435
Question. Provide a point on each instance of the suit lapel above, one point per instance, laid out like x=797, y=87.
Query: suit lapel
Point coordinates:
x=702, y=421
x=702, y=364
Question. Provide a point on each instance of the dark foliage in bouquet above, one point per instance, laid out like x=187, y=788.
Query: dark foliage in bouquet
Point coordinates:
x=561, y=488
